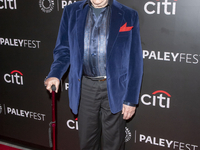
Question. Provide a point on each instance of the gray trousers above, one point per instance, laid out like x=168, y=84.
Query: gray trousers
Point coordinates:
x=98, y=127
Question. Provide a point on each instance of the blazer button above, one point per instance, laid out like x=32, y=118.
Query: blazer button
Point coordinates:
x=78, y=79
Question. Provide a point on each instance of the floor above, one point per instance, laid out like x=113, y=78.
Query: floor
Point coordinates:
x=15, y=146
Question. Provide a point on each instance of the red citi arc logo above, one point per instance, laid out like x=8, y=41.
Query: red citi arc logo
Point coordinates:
x=158, y=98
x=14, y=77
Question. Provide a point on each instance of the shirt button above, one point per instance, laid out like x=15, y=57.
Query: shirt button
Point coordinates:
x=78, y=79
x=94, y=54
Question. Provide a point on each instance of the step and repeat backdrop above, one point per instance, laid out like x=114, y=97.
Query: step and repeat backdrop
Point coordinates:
x=168, y=115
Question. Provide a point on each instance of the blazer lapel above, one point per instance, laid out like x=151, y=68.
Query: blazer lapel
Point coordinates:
x=81, y=15
x=116, y=19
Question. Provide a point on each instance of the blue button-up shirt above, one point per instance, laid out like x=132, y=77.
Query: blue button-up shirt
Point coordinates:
x=95, y=42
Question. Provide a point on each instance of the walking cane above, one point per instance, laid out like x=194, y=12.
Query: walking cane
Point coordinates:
x=52, y=124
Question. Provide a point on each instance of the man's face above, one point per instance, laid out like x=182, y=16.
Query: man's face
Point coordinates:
x=99, y=2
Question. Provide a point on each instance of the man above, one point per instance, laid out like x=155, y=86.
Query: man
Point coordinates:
x=100, y=41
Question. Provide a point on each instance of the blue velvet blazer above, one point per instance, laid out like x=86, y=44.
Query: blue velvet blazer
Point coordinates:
x=124, y=65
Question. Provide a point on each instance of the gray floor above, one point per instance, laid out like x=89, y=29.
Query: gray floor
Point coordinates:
x=15, y=146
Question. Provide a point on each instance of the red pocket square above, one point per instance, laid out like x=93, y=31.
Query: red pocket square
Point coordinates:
x=124, y=28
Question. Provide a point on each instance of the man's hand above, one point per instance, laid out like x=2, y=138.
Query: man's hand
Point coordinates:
x=52, y=81
x=128, y=111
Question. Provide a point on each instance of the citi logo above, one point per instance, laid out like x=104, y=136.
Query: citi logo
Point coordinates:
x=8, y=4
x=72, y=124
x=169, y=8
x=14, y=77
x=158, y=98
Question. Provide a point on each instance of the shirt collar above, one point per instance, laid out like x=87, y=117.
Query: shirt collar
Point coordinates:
x=89, y=3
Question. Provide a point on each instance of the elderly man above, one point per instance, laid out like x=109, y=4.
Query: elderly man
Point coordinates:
x=100, y=41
